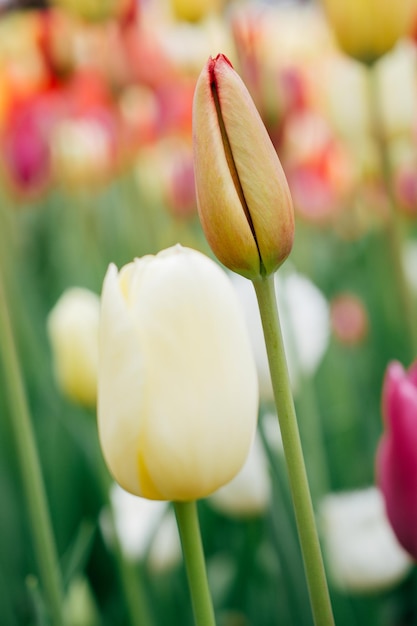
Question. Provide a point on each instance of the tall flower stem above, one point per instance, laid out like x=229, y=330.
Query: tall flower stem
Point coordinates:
x=192, y=547
x=393, y=232
x=300, y=491
x=20, y=422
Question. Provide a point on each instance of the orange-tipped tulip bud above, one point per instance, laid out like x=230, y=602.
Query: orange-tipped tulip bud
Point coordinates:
x=243, y=197
x=367, y=29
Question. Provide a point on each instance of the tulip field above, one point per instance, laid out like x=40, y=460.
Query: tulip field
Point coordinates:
x=208, y=313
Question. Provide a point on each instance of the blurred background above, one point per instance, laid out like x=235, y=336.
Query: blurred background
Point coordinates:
x=96, y=167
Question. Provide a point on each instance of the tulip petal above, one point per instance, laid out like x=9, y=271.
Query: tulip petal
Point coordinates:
x=178, y=392
x=120, y=385
x=259, y=170
x=224, y=222
x=394, y=375
x=412, y=373
x=243, y=198
x=396, y=461
x=197, y=345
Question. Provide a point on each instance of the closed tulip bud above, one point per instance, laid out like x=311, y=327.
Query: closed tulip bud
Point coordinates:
x=366, y=30
x=243, y=197
x=73, y=334
x=80, y=608
x=396, y=461
x=178, y=397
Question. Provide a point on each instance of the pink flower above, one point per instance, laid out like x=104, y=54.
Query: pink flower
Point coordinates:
x=396, y=461
x=26, y=157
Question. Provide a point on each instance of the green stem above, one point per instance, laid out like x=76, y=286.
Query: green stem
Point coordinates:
x=311, y=427
x=20, y=421
x=393, y=232
x=303, y=507
x=192, y=547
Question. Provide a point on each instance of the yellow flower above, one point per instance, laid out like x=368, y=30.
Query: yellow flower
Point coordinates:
x=195, y=10
x=177, y=393
x=243, y=197
x=94, y=10
x=73, y=333
x=367, y=29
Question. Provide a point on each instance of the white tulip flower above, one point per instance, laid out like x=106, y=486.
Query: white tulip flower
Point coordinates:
x=248, y=494
x=177, y=389
x=165, y=549
x=362, y=552
x=134, y=522
x=72, y=327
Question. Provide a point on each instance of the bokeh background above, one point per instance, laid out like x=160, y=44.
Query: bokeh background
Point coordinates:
x=96, y=167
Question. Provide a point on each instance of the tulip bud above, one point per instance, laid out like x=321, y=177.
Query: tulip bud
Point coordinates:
x=80, y=608
x=73, y=333
x=243, y=197
x=178, y=397
x=367, y=30
x=396, y=461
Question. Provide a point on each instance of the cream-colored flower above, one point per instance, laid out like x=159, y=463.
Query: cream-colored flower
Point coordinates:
x=178, y=396
x=362, y=552
x=73, y=333
x=82, y=152
x=248, y=493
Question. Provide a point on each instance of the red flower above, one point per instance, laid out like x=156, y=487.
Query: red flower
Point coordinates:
x=396, y=461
